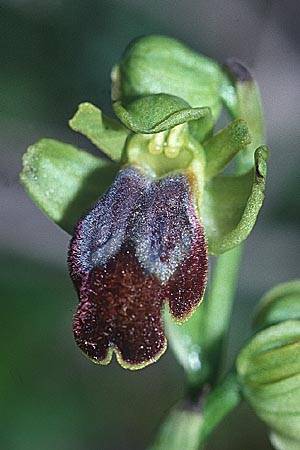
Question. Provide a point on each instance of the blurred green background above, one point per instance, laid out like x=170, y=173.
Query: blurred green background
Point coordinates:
x=55, y=54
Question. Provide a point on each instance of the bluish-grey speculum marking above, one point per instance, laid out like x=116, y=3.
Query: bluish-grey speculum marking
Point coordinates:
x=163, y=230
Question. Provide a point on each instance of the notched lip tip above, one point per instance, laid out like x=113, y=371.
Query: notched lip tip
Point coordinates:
x=122, y=362
x=126, y=365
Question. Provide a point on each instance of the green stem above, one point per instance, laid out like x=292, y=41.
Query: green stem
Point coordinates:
x=218, y=309
x=219, y=403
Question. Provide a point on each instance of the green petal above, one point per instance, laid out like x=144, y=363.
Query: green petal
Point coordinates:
x=279, y=304
x=231, y=205
x=64, y=181
x=223, y=146
x=202, y=129
x=155, y=113
x=107, y=134
x=244, y=102
x=155, y=64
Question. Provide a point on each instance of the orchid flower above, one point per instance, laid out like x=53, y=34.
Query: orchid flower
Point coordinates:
x=146, y=213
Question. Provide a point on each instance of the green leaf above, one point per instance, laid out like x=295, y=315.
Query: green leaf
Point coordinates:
x=223, y=146
x=231, y=205
x=156, y=64
x=155, y=113
x=244, y=102
x=279, y=304
x=107, y=134
x=269, y=373
x=64, y=181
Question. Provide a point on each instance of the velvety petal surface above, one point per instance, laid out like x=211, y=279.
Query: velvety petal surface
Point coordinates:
x=120, y=308
x=141, y=244
x=170, y=244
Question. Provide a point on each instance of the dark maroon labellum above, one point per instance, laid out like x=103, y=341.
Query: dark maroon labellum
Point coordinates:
x=141, y=245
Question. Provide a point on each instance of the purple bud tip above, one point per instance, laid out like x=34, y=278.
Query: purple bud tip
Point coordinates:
x=237, y=70
x=140, y=246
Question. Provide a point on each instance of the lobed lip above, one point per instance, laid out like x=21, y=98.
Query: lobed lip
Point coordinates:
x=140, y=246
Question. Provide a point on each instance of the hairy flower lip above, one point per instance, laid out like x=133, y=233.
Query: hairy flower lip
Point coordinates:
x=118, y=320
x=141, y=245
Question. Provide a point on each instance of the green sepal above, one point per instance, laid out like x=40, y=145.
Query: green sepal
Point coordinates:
x=279, y=304
x=155, y=64
x=157, y=112
x=223, y=146
x=64, y=181
x=243, y=100
x=231, y=205
x=107, y=134
x=269, y=374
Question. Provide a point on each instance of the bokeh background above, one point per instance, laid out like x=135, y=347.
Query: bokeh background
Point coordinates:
x=55, y=54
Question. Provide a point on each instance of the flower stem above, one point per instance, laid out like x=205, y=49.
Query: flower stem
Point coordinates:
x=219, y=403
x=218, y=309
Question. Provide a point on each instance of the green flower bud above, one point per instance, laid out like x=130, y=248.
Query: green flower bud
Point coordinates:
x=269, y=366
x=279, y=304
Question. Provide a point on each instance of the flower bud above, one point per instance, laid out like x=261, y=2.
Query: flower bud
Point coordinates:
x=279, y=304
x=269, y=367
